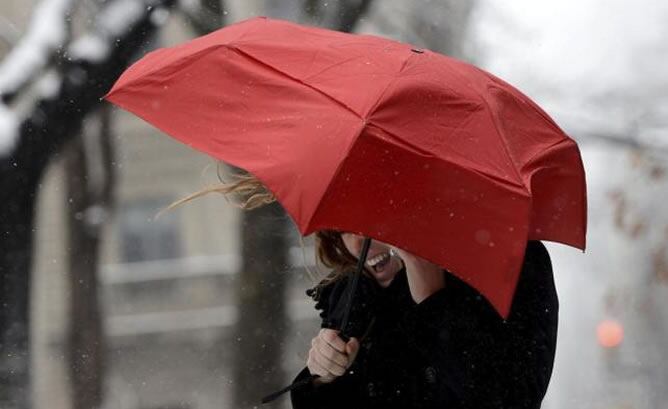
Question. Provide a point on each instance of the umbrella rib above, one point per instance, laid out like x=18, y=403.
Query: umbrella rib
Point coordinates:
x=503, y=141
x=423, y=152
x=335, y=174
x=354, y=140
x=482, y=173
x=549, y=147
x=455, y=69
x=333, y=66
x=349, y=109
x=389, y=84
x=189, y=60
x=234, y=47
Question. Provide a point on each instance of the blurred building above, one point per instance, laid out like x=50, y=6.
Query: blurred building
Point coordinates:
x=166, y=282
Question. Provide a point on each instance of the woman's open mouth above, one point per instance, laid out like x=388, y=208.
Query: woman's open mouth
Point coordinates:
x=378, y=262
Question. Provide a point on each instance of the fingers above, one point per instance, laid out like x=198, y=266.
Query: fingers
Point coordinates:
x=332, y=338
x=352, y=347
x=332, y=347
x=316, y=369
x=328, y=356
x=330, y=367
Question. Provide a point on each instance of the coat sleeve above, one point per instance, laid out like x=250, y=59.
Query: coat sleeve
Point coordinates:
x=476, y=359
x=334, y=395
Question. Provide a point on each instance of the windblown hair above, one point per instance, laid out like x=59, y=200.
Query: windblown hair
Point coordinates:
x=247, y=192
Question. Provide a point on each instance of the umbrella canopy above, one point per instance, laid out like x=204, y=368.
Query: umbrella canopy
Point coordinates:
x=363, y=134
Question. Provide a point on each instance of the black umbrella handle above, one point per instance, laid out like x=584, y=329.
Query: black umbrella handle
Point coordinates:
x=344, y=323
x=353, y=289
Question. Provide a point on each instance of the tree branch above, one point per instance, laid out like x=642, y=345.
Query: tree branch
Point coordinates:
x=48, y=32
x=350, y=14
x=650, y=146
x=204, y=16
x=94, y=64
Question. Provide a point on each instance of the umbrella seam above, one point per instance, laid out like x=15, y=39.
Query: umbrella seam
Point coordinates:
x=335, y=174
x=389, y=84
x=503, y=141
x=489, y=111
x=518, y=95
x=473, y=170
x=353, y=140
x=166, y=68
x=193, y=57
x=356, y=138
x=584, y=182
x=545, y=149
x=480, y=172
x=234, y=47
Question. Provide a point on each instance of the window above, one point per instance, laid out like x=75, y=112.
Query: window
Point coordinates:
x=144, y=237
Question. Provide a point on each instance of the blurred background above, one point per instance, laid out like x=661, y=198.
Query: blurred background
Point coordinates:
x=103, y=305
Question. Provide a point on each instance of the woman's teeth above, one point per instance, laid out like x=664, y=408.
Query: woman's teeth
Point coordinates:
x=378, y=261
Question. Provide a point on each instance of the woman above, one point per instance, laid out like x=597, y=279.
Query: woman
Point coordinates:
x=431, y=340
x=421, y=338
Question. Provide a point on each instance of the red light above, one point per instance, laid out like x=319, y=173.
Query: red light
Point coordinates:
x=610, y=333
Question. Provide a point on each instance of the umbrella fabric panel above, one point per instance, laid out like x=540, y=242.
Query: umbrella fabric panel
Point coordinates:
x=353, y=70
x=388, y=190
x=458, y=113
x=253, y=118
x=471, y=128
x=175, y=57
x=559, y=197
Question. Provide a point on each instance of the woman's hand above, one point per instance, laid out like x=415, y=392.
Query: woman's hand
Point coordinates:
x=330, y=356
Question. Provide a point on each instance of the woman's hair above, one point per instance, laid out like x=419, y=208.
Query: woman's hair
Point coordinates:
x=332, y=253
x=245, y=188
x=247, y=192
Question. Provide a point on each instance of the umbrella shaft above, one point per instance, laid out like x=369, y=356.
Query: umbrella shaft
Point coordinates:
x=353, y=288
x=344, y=322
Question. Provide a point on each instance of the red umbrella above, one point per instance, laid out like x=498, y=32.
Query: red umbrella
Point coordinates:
x=363, y=134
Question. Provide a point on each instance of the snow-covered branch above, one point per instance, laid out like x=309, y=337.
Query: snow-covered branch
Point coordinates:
x=47, y=33
x=654, y=143
x=77, y=83
x=644, y=130
x=109, y=24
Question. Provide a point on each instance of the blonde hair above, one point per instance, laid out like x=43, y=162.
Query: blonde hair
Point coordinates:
x=247, y=190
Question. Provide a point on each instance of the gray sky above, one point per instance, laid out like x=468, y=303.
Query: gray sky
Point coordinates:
x=595, y=65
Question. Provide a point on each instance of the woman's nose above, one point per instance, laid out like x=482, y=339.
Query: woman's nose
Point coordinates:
x=353, y=242
x=357, y=242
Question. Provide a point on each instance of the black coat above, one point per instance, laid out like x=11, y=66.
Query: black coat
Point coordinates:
x=452, y=350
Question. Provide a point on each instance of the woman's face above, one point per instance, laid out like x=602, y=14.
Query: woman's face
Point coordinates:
x=379, y=261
